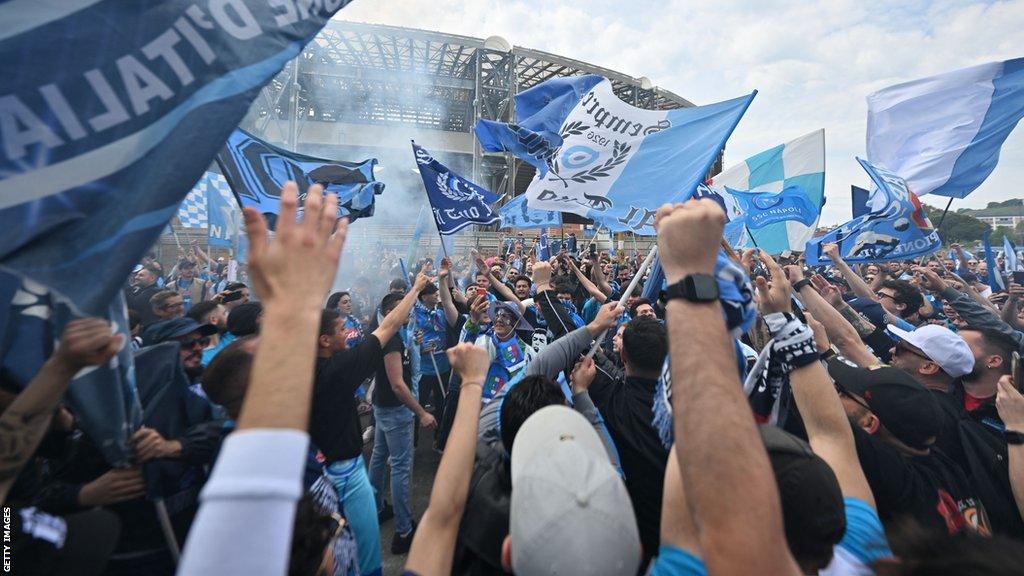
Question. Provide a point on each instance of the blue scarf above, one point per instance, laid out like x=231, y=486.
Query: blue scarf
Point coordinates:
x=577, y=320
x=736, y=295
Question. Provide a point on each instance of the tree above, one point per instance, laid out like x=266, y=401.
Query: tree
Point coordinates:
x=957, y=227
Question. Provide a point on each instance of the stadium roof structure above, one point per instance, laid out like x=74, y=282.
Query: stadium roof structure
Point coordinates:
x=355, y=83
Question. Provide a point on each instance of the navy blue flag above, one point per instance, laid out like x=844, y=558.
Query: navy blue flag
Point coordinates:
x=257, y=171
x=859, y=201
x=516, y=214
x=456, y=202
x=763, y=208
x=110, y=114
x=896, y=228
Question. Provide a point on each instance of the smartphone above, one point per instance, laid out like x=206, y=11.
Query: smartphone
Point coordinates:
x=1016, y=370
x=1018, y=278
x=231, y=296
x=593, y=249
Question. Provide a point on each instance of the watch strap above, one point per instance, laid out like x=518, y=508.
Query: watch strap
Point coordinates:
x=1013, y=437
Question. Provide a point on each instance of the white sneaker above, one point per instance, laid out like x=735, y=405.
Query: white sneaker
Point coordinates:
x=368, y=434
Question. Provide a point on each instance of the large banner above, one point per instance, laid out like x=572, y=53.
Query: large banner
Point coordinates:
x=896, y=228
x=110, y=112
x=609, y=161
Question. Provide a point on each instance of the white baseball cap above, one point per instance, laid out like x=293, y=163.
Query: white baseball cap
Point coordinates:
x=570, y=512
x=942, y=346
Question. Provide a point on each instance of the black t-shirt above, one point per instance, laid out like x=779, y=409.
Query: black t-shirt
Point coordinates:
x=334, y=425
x=931, y=489
x=383, y=395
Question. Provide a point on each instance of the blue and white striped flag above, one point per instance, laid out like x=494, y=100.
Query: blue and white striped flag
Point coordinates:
x=796, y=165
x=1010, y=255
x=942, y=134
x=614, y=163
x=995, y=275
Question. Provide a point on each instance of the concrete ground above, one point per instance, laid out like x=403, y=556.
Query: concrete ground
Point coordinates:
x=424, y=466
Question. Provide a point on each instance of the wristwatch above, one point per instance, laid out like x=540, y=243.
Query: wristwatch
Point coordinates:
x=799, y=284
x=695, y=288
x=1012, y=437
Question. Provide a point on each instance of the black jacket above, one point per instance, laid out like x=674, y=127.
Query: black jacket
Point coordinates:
x=973, y=440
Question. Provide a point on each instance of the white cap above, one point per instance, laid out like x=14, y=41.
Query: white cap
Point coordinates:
x=570, y=512
x=942, y=346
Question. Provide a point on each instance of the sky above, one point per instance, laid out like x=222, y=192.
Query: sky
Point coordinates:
x=813, y=63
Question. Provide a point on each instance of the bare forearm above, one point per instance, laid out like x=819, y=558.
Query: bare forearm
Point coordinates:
x=24, y=423
x=718, y=446
x=600, y=280
x=857, y=284
x=394, y=320
x=1016, y=456
x=589, y=286
x=432, y=549
x=451, y=314
x=286, y=354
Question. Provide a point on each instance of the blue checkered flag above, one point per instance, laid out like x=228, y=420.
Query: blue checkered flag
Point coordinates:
x=192, y=211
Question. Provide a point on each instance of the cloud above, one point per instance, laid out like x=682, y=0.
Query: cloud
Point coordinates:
x=812, y=63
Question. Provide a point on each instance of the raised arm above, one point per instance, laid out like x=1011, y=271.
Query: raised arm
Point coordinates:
x=857, y=284
x=726, y=475
x=257, y=478
x=840, y=331
x=1010, y=404
x=434, y=544
x=398, y=316
x=446, y=284
x=597, y=275
x=589, y=286
x=500, y=287
x=85, y=342
x=828, y=429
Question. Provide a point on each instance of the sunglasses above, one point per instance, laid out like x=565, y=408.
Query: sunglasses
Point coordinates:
x=202, y=342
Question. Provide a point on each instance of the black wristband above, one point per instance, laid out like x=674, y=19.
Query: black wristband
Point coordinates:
x=799, y=284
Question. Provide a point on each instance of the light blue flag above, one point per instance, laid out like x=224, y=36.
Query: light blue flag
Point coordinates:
x=417, y=233
x=1010, y=254
x=942, y=134
x=543, y=248
x=995, y=276
x=110, y=112
x=896, y=228
x=223, y=215
x=763, y=208
x=516, y=214
x=735, y=224
x=616, y=163
x=795, y=165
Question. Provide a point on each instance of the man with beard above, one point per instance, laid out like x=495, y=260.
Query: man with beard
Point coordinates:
x=144, y=286
x=192, y=336
x=214, y=314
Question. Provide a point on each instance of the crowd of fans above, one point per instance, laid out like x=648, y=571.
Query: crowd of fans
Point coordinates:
x=757, y=417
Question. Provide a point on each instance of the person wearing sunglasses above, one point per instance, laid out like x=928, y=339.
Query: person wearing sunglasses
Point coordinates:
x=192, y=336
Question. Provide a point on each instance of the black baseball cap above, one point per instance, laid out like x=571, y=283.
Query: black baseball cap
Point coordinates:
x=175, y=328
x=813, y=512
x=905, y=407
x=429, y=289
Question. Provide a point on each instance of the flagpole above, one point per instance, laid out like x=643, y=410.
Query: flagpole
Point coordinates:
x=625, y=295
x=943, y=217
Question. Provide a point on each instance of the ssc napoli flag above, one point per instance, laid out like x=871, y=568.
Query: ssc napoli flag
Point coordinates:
x=109, y=113
x=763, y=208
x=896, y=228
x=796, y=168
x=516, y=214
x=257, y=170
x=455, y=201
x=942, y=134
x=606, y=160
